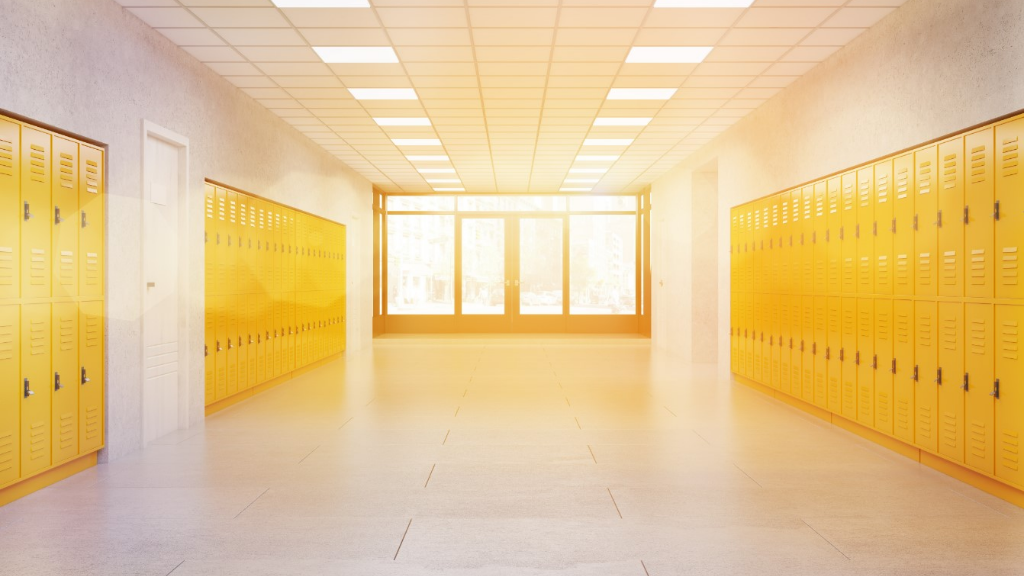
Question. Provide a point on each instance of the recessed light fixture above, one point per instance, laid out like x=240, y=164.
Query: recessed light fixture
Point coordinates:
x=357, y=54
x=575, y=189
x=449, y=189
x=622, y=121
x=641, y=93
x=607, y=141
x=667, y=54
x=587, y=158
x=581, y=180
x=441, y=158
x=416, y=141
x=383, y=93
x=402, y=121
x=587, y=170
x=436, y=170
x=443, y=180
x=321, y=3
x=703, y=3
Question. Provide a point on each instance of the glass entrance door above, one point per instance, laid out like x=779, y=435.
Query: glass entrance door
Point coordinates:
x=484, y=283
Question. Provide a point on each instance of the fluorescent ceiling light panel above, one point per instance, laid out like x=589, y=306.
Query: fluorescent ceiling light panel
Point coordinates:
x=443, y=180
x=587, y=170
x=416, y=141
x=402, y=121
x=703, y=3
x=581, y=180
x=449, y=189
x=436, y=170
x=641, y=93
x=622, y=121
x=441, y=158
x=321, y=3
x=357, y=54
x=575, y=189
x=667, y=54
x=383, y=93
x=585, y=158
x=607, y=141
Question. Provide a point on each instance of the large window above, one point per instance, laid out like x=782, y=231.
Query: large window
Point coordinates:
x=421, y=271
x=602, y=264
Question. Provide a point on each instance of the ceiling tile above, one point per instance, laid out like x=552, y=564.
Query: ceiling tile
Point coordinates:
x=857, y=17
x=192, y=36
x=413, y=17
x=214, y=53
x=346, y=36
x=332, y=17
x=764, y=36
x=262, y=36
x=809, y=53
x=242, y=17
x=167, y=17
x=279, y=54
x=746, y=53
x=832, y=36
x=784, y=17
x=430, y=36
x=601, y=17
x=693, y=17
x=679, y=36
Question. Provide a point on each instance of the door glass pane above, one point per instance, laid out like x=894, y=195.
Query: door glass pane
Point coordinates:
x=483, y=266
x=540, y=265
x=602, y=203
x=512, y=203
x=602, y=264
x=421, y=203
x=421, y=259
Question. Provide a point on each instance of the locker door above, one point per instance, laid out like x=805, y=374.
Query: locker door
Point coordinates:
x=1009, y=390
x=36, y=382
x=833, y=237
x=210, y=349
x=979, y=232
x=882, y=228
x=903, y=377
x=91, y=378
x=1009, y=209
x=755, y=338
x=979, y=408
x=776, y=251
x=950, y=380
x=774, y=348
x=848, y=234
x=804, y=237
x=279, y=260
x=818, y=350
x=756, y=274
x=884, y=361
x=65, y=377
x=242, y=340
x=221, y=349
x=224, y=256
x=262, y=339
x=783, y=332
x=866, y=361
x=91, y=197
x=36, y=211
x=819, y=234
x=789, y=271
x=210, y=240
x=903, y=226
x=245, y=278
x=10, y=217
x=230, y=304
x=64, y=236
x=734, y=352
x=805, y=348
x=848, y=358
x=10, y=393
x=230, y=264
x=749, y=333
x=289, y=320
x=832, y=354
x=866, y=231
x=279, y=341
x=951, y=217
x=791, y=349
x=251, y=337
x=926, y=210
x=926, y=396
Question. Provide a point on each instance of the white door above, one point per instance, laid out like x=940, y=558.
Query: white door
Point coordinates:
x=161, y=390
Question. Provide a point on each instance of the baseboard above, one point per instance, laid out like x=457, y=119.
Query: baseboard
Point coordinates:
x=46, y=478
x=230, y=401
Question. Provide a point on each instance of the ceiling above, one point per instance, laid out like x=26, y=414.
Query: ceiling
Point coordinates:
x=512, y=88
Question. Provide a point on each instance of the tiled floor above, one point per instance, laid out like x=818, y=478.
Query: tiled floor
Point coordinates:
x=511, y=456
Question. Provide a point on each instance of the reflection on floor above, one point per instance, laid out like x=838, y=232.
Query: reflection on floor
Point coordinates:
x=511, y=456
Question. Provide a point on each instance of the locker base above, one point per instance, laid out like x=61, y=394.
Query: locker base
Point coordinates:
x=46, y=478
x=223, y=403
x=982, y=482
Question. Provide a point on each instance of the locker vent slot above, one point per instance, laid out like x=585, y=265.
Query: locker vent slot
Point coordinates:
x=93, y=333
x=924, y=177
x=883, y=189
x=66, y=330
x=6, y=266
x=949, y=171
x=949, y=267
x=924, y=268
x=92, y=422
x=6, y=161
x=1009, y=274
x=978, y=258
x=978, y=165
x=8, y=448
x=902, y=183
x=38, y=440
x=37, y=164
x=1010, y=157
x=92, y=177
x=949, y=333
x=66, y=430
x=92, y=269
x=865, y=193
x=978, y=438
x=67, y=171
x=38, y=271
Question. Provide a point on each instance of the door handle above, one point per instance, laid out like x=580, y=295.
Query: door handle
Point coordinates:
x=85, y=379
x=56, y=381
x=28, y=212
x=28, y=390
x=85, y=220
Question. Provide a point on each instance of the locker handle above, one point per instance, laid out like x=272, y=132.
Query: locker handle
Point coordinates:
x=250, y=339
x=828, y=352
x=771, y=340
x=230, y=344
x=856, y=359
x=85, y=379
x=893, y=228
x=259, y=338
x=206, y=351
x=857, y=231
x=915, y=377
x=915, y=221
x=994, y=392
x=85, y=221
x=967, y=214
x=268, y=335
x=893, y=369
x=790, y=343
x=814, y=237
x=995, y=214
x=827, y=235
x=841, y=232
x=801, y=345
x=56, y=381
x=56, y=215
x=28, y=390
x=938, y=220
x=28, y=213
x=874, y=228
x=874, y=362
x=240, y=343
x=219, y=349
x=938, y=376
x=967, y=382
x=842, y=354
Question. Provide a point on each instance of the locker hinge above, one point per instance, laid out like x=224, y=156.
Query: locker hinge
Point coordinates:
x=85, y=378
x=994, y=392
x=56, y=215
x=85, y=221
x=967, y=382
x=206, y=350
x=56, y=381
x=28, y=212
x=828, y=352
x=995, y=213
x=856, y=359
x=938, y=219
x=893, y=369
x=28, y=389
x=915, y=221
x=874, y=362
x=874, y=228
x=915, y=377
x=893, y=227
x=967, y=214
x=938, y=376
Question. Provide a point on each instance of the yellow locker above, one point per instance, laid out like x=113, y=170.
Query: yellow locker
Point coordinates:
x=210, y=240
x=230, y=229
x=883, y=228
x=832, y=354
x=734, y=351
x=230, y=304
x=1009, y=392
x=979, y=381
x=951, y=217
x=64, y=412
x=748, y=333
x=10, y=393
x=848, y=357
x=1009, y=210
x=259, y=240
x=91, y=197
x=756, y=273
x=866, y=230
x=278, y=342
x=262, y=339
x=755, y=337
x=783, y=336
x=10, y=215
x=289, y=327
x=292, y=253
x=950, y=380
x=773, y=254
x=848, y=234
x=221, y=349
x=789, y=273
x=903, y=226
x=819, y=347
x=91, y=377
x=926, y=396
x=926, y=210
x=979, y=231
x=245, y=276
x=792, y=380
x=223, y=256
x=64, y=236
x=903, y=375
x=210, y=348
x=803, y=347
x=251, y=339
x=819, y=236
x=242, y=340
x=36, y=391
x=772, y=350
x=804, y=238
x=833, y=237
x=866, y=361
x=279, y=259
x=885, y=363
x=35, y=213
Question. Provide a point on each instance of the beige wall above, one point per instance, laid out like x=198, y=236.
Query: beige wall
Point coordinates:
x=89, y=67
x=931, y=68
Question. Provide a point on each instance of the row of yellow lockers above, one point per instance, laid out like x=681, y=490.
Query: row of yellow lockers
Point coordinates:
x=253, y=338
x=51, y=401
x=254, y=245
x=946, y=219
x=51, y=218
x=944, y=375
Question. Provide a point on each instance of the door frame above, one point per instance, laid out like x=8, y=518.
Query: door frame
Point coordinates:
x=152, y=130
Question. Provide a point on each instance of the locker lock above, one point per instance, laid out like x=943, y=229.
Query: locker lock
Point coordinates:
x=56, y=215
x=938, y=376
x=267, y=335
x=28, y=390
x=259, y=338
x=240, y=343
x=893, y=227
x=85, y=379
x=995, y=214
x=994, y=392
x=28, y=212
x=967, y=382
x=56, y=381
